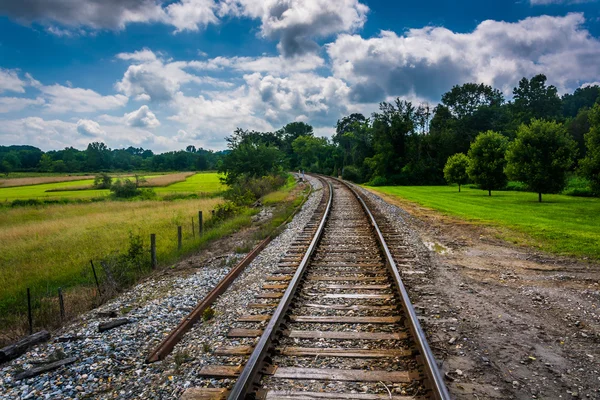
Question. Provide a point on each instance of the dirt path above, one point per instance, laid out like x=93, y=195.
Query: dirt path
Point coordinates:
x=508, y=322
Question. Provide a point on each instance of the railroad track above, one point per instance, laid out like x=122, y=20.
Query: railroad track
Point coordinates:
x=333, y=321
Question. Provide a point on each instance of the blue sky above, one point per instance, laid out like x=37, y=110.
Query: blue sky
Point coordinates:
x=166, y=74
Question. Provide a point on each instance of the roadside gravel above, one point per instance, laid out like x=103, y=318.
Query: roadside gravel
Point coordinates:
x=111, y=364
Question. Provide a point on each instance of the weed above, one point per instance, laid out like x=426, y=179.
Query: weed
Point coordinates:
x=208, y=314
x=206, y=348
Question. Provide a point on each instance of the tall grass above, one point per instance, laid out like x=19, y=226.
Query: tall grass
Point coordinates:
x=47, y=247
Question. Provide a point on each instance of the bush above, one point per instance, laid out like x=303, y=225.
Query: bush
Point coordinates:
x=455, y=170
x=578, y=186
x=124, y=189
x=378, y=181
x=351, y=173
x=102, y=181
x=247, y=190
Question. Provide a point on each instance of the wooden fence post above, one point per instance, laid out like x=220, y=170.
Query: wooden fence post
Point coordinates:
x=179, y=238
x=154, y=261
x=95, y=277
x=29, y=317
x=61, y=304
x=200, y=227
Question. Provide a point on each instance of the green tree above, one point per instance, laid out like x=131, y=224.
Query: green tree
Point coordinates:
x=540, y=156
x=533, y=99
x=487, y=162
x=45, y=164
x=465, y=100
x=455, y=170
x=590, y=165
x=251, y=160
x=581, y=98
x=102, y=181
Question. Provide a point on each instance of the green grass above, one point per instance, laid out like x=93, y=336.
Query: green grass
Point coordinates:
x=561, y=224
x=206, y=182
x=47, y=247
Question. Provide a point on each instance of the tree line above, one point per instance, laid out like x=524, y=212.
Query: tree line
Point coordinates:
x=98, y=157
x=407, y=144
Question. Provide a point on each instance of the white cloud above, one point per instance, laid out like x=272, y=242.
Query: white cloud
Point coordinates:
x=10, y=81
x=13, y=104
x=89, y=128
x=142, y=118
x=144, y=55
x=153, y=79
x=63, y=99
x=295, y=23
x=192, y=14
x=427, y=62
x=274, y=65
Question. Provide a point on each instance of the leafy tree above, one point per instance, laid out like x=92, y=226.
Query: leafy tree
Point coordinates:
x=311, y=152
x=486, y=161
x=590, y=165
x=581, y=98
x=455, y=170
x=125, y=188
x=465, y=100
x=578, y=127
x=45, y=164
x=540, y=156
x=533, y=99
x=251, y=160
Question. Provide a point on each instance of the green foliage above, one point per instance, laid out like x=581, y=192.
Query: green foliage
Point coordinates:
x=102, y=181
x=487, y=162
x=208, y=314
x=378, y=181
x=540, y=156
x=590, y=165
x=251, y=160
x=533, y=99
x=351, y=173
x=455, y=170
x=124, y=189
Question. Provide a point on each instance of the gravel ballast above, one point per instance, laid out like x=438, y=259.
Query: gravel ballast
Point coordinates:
x=112, y=365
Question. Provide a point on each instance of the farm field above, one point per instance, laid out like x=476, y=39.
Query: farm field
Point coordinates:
x=561, y=224
x=207, y=182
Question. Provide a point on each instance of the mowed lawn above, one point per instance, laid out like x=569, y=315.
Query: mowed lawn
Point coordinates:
x=50, y=246
x=560, y=224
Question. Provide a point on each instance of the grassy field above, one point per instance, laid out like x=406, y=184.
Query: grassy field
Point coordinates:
x=560, y=224
x=206, y=182
x=47, y=247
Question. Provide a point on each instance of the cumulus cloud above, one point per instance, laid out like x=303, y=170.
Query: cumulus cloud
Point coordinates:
x=271, y=64
x=296, y=23
x=427, y=62
x=13, y=104
x=89, y=128
x=63, y=99
x=192, y=14
x=152, y=79
x=10, y=81
x=142, y=118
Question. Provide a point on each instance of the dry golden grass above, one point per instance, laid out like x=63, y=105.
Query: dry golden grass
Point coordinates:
x=166, y=180
x=38, y=180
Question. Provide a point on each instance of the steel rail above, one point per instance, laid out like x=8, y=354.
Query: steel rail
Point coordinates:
x=249, y=373
x=173, y=337
x=433, y=373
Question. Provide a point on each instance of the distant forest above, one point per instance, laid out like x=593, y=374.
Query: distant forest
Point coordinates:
x=98, y=157
x=401, y=143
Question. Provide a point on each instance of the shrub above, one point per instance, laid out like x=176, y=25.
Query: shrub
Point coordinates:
x=378, y=181
x=124, y=189
x=102, y=181
x=351, y=173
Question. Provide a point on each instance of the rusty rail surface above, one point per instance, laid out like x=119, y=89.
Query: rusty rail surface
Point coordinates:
x=171, y=340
